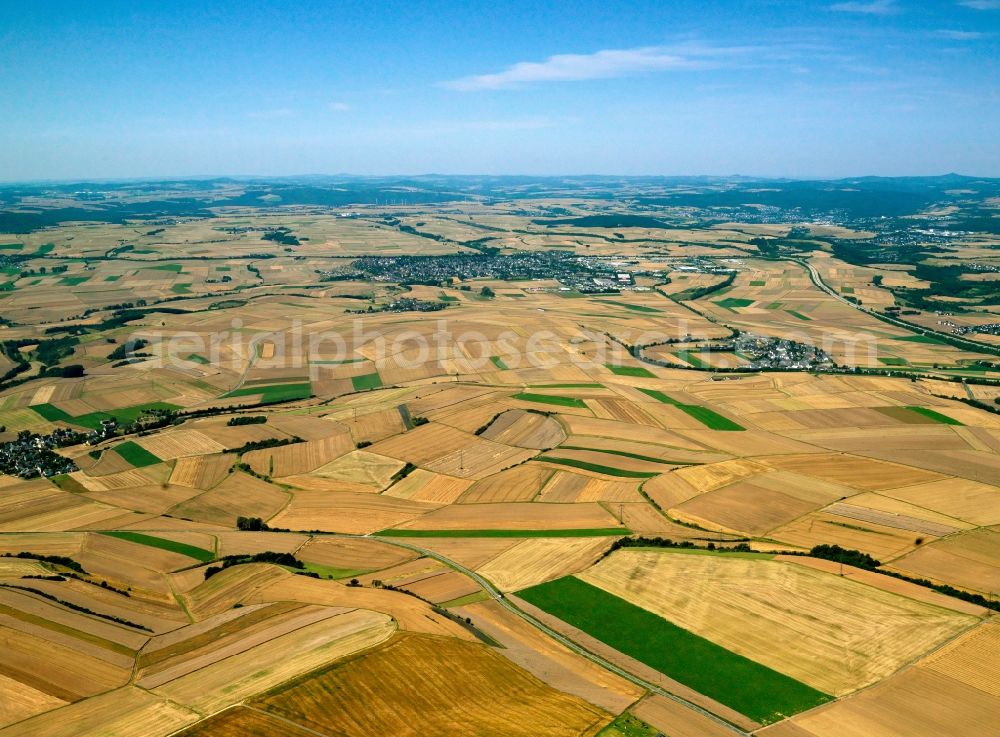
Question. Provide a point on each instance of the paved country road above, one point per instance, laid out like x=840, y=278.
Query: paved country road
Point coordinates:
x=818, y=281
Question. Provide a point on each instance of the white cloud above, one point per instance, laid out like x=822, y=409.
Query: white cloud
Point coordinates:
x=875, y=7
x=604, y=64
x=340, y=107
x=980, y=4
x=952, y=35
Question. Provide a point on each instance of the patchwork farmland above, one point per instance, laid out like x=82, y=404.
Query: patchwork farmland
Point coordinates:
x=583, y=513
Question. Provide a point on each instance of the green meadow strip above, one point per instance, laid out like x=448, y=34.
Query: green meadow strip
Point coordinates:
x=598, y=468
x=742, y=684
x=173, y=546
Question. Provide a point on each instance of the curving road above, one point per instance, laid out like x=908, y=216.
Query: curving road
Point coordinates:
x=817, y=280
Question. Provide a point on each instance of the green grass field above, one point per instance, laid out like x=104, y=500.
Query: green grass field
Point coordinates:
x=173, y=546
x=750, y=688
x=275, y=392
x=892, y=361
x=692, y=358
x=731, y=303
x=366, y=381
x=135, y=454
x=936, y=416
x=72, y=281
x=181, y=288
x=11, y=246
x=92, y=420
x=707, y=417
x=758, y=283
x=498, y=362
x=176, y=268
x=584, y=532
x=551, y=399
x=710, y=418
x=798, y=315
x=930, y=339
x=597, y=468
x=638, y=371
x=197, y=358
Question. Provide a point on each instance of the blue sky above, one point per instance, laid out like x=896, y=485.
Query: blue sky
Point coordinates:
x=771, y=87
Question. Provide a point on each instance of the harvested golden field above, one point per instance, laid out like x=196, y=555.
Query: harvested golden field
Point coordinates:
x=17, y=567
x=757, y=505
x=963, y=659
x=66, y=670
x=970, y=501
x=833, y=634
x=669, y=490
x=297, y=458
x=19, y=701
x=514, y=516
x=603, y=428
x=970, y=560
x=28, y=606
x=354, y=554
x=373, y=693
x=240, y=721
x=347, y=511
x=239, y=495
x=275, y=661
x=534, y=561
x=202, y=471
x=374, y=426
x=526, y=430
x=471, y=552
x=666, y=714
x=449, y=451
x=820, y=528
x=125, y=712
x=862, y=473
x=917, y=703
x=408, y=612
x=892, y=513
x=713, y=475
x=520, y=484
x=361, y=467
x=569, y=486
x=253, y=630
x=426, y=486
x=167, y=446
x=228, y=587
x=888, y=583
x=443, y=587
x=550, y=661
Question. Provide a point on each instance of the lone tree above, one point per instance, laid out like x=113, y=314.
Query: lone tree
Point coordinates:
x=487, y=293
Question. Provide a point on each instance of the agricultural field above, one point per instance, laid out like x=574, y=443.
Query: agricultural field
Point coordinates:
x=297, y=472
